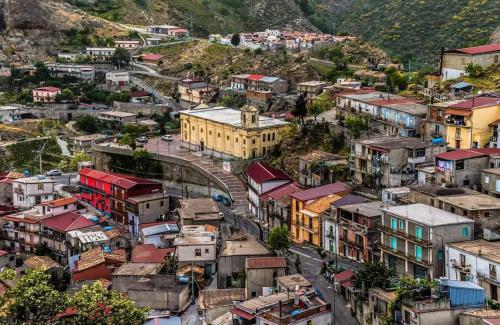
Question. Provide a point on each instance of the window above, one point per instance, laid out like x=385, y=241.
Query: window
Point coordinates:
x=459, y=165
x=420, y=153
x=197, y=252
x=244, y=141
x=486, y=179
x=432, y=202
x=465, y=232
x=193, y=128
x=493, y=272
x=269, y=137
x=147, y=205
x=452, y=209
x=418, y=232
x=418, y=253
x=65, y=207
x=497, y=185
x=236, y=140
x=206, y=250
x=227, y=138
x=209, y=132
x=161, y=203
x=394, y=243
x=40, y=187
x=201, y=130
x=263, y=138
x=401, y=224
x=253, y=141
x=253, y=118
x=394, y=224
x=441, y=254
x=274, y=136
x=218, y=135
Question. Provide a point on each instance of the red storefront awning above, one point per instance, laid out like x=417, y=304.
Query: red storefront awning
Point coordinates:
x=242, y=314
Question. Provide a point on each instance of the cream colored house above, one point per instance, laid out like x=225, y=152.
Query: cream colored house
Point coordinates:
x=454, y=62
x=229, y=132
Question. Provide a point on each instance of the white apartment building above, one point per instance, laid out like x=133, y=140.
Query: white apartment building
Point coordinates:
x=118, y=78
x=196, y=245
x=84, y=72
x=477, y=261
x=100, y=53
x=30, y=191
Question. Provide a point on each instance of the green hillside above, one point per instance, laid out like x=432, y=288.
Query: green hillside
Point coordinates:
x=417, y=29
x=409, y=29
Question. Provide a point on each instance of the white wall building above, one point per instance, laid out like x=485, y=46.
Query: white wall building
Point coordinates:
x=30, y=191
x=196, y=245
x=477, y=261
x=9, y=114
x=118, y=78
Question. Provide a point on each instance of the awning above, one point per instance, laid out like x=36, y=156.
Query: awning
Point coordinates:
x=242, y=314
x=346, y=284
x=458, y=112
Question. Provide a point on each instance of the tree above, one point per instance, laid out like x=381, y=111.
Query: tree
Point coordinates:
x=126, y=140
x=76, y=159
x=33, y=300
x=66, y=95
x=97, y=305
x=355, y=124
x=235, y=39
x=300, y=109
x=319, y=105
x=120, y=57
x=41, y=249
x=134, y=130
x=371, y=275
x=474, y=70
x=279, y=239
x=88, y=124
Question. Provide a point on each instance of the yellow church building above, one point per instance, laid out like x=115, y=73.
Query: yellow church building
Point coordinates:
x=229, y=132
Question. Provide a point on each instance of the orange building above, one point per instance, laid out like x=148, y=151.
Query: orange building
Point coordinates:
x=307, y=211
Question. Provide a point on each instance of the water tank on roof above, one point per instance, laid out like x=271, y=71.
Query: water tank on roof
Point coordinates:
x=296, y=312
x=183, y=279
x=106, y=249
x=108, y=228
x=437, y=141
x=94, y=219
x=465, y=294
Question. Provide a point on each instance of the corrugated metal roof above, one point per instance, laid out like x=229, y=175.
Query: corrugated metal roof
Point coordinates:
x=160, y=229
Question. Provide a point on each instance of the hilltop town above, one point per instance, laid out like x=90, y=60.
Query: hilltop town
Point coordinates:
x=273, y=176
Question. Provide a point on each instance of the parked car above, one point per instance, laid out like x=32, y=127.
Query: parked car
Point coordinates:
x=221, y=198
x=167, y=137
x=54, y=172
x=142, y=139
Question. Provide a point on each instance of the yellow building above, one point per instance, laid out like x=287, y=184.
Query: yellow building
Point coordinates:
x=467, y=122
x=230, y=132
x=307, y=211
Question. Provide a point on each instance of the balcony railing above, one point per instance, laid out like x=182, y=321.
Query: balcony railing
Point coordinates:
x=308, y=227
x=351, y=242
x=462, y=268
x=405, y=235
x=412, y=258
x=489, y=277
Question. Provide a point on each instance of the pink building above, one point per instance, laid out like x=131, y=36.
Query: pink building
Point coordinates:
x=45, y=94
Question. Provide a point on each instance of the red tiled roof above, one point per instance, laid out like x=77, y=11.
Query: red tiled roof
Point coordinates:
x=242, y=313
x=148, y=253
x=49, y=89
x=476, y=102
x=139, y=93
x=321, y=191
x=281, y=192
x=265, y=262
x=481, y=49
x=156, y=223
x=343, y=276
x=467, y=153
x=67, y=222
x=255, y=77
x=60, y=202
x=152, y=56
x=261, y=173
x=120, y=180
x=2, y=252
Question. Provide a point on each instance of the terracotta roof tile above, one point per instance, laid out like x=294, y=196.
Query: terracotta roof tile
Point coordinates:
x=67, y=222
x=317, y=192
x=60, y=202
x=41, y=262
x=261, y=173
x=265, y=262
x=148, y=253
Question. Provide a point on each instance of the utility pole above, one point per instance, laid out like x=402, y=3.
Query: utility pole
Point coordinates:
x=192, y=281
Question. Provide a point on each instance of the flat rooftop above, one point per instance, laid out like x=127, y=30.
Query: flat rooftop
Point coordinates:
x=244, y=248
x=34, y=180
x=397, y=190
x=388, y=143
x=220, y=297
x=139, y=269
x=195, y=240
x=494, y=171
x=147, y=197
x=230, y=116
x=291, y=281
x=436, y=190
x=486, y=249
x=473, y=202
x=367, y=209
x=427, y=215
x=199, y=209
x=253, y=305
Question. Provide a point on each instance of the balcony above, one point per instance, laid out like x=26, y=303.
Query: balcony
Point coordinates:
x=354, y=226
x=330, y=235
x=405, y=235
x=409, y=257
x=456, y=122
x=351, y=242
x=308, y=227
x=460, y=267
x=490, y=277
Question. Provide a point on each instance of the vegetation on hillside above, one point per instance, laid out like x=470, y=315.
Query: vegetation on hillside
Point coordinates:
x=416, y=30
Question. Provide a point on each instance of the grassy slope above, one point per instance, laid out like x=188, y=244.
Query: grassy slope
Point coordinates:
x=418, y=29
